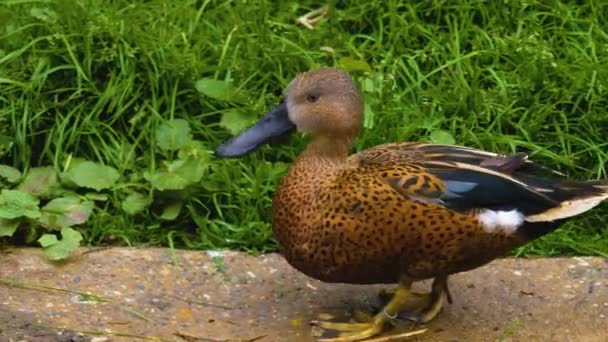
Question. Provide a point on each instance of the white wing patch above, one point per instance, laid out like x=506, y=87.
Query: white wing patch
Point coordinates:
x=501, y=221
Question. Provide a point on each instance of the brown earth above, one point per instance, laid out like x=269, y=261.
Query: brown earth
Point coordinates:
x=229, y=296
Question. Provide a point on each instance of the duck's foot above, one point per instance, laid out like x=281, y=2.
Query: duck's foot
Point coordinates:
x=434, y=302
x=351, y=331
x=375, y=326
x=312, y=17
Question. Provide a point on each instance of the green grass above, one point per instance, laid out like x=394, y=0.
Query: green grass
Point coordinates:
x=95, y=79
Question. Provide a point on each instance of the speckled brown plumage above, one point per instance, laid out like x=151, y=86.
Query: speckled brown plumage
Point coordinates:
x=361, y=223
x=399, y=212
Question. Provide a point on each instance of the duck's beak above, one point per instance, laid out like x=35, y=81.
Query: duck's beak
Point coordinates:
x=273, y=124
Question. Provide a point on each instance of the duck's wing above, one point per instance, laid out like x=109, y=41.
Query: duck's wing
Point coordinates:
x=464, y=179
x=406, y=152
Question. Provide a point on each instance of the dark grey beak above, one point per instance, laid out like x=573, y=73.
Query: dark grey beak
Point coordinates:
x=273, y=124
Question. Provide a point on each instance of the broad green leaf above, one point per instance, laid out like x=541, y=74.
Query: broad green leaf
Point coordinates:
x=235, y=120
x=88, y=174
x=164, y=180
x=60, y=249
x=47, y=240
x=9, y=173
x=442, y=137
x=221, y=90
x=65, y=212
x=191, y=169
x=135, y=203
x=8, y=227
x=350, y=64
x=39, y=181
x=171, y=135
x=15, y=203
x=171, y=211
x=178, y=174
x=194, y=149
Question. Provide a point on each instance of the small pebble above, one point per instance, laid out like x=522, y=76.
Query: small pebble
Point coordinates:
x=581, y=261
x=99, y=339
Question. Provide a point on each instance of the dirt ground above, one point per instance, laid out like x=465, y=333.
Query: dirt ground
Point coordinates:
x=164, y=295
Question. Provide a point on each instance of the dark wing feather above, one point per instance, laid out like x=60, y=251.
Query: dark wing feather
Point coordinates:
x=468, y=178
x=471, y=186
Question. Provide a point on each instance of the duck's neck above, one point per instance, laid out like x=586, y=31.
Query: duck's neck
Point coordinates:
x=327, y=150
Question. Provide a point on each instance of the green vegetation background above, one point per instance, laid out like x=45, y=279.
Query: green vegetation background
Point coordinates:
x=148, y=88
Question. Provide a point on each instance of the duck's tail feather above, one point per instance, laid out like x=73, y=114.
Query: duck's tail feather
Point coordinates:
x=573, y=198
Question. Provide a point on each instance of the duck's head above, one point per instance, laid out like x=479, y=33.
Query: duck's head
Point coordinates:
x=325, y=103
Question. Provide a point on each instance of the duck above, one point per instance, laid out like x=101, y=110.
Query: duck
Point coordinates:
x=400, y=212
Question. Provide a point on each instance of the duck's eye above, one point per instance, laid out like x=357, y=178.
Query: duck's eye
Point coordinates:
x=312, y=98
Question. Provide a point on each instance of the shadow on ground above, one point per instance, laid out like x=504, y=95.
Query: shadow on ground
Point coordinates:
x=201, y=296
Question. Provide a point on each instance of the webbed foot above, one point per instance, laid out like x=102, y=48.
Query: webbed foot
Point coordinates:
x=375, y=325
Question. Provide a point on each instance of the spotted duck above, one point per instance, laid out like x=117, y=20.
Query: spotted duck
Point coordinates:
x=398, y=212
